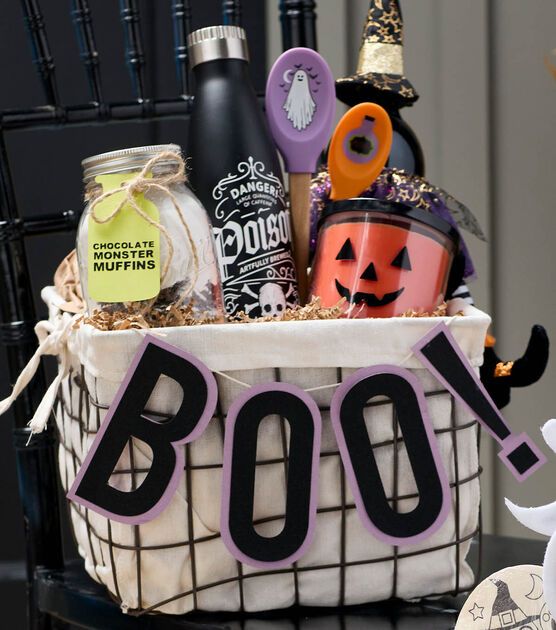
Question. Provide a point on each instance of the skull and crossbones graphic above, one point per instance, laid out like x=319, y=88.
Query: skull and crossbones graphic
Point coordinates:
x=271, y=299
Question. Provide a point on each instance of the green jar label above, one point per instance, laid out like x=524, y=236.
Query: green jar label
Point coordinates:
x=124, y=253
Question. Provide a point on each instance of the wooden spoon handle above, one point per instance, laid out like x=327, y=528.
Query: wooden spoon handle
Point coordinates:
x=300, y=201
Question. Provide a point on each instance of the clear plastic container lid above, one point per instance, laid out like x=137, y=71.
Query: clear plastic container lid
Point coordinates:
x=383, y=257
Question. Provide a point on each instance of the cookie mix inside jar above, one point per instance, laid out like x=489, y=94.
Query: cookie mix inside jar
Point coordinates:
x=145, y=241
x=383, y=257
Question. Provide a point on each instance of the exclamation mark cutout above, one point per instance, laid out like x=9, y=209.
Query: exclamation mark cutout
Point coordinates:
x=440, y=353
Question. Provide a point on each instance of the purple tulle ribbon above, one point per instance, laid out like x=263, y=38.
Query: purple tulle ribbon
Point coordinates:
x=412, y=190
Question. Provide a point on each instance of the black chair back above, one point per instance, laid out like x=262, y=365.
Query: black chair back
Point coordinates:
x=37, y=462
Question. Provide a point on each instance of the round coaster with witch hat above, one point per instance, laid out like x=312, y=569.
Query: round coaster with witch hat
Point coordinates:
x=512, y=599
x=379, y=76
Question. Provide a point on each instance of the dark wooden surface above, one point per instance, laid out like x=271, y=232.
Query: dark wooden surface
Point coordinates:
x=80, y=600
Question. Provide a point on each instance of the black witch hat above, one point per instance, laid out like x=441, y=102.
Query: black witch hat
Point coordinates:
x=379, y=75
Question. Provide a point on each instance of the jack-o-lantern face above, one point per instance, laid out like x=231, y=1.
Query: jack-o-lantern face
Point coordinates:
x=382, y=269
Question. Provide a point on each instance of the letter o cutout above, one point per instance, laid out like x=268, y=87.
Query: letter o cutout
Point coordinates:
x=239, y=467
x=347, y=415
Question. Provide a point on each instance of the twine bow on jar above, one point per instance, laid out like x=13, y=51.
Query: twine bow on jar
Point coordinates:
x=145, y=182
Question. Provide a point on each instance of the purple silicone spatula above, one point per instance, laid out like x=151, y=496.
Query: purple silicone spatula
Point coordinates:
x=300, y=105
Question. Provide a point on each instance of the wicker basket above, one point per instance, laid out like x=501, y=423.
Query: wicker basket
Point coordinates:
x=178, y=562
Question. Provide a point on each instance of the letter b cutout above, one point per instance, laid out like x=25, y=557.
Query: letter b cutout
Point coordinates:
x=126, y=420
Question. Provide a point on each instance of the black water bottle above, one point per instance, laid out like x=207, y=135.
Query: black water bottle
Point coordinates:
x=236, y=173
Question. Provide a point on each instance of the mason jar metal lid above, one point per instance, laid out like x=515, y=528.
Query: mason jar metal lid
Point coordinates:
x=125, y=159
x=217, y=42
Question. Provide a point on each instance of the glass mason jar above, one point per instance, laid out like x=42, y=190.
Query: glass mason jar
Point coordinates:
x=383, y=257
x=153, y=254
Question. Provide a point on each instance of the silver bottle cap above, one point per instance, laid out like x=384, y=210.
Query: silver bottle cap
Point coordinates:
x=217, y=42
x=125, y=159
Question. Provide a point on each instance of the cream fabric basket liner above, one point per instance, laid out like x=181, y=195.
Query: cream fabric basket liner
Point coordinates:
x=177, y=562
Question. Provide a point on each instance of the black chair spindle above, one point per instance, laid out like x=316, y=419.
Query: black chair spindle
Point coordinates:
x=298, y=19
x=42, y=58
x=17, y=311
x=36, y=463
x=82, y=20
x=181, y=18
x=231, y=12
x=135, y=58
x=38, y=488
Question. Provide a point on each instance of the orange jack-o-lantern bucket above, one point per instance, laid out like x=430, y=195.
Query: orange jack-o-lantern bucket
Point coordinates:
x=383, y=257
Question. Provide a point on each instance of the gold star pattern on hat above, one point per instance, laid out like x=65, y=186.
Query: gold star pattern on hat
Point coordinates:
x=379, y=76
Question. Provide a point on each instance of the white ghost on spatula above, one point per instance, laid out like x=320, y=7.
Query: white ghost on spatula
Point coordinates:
x=299, y=103
x=542, y=519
